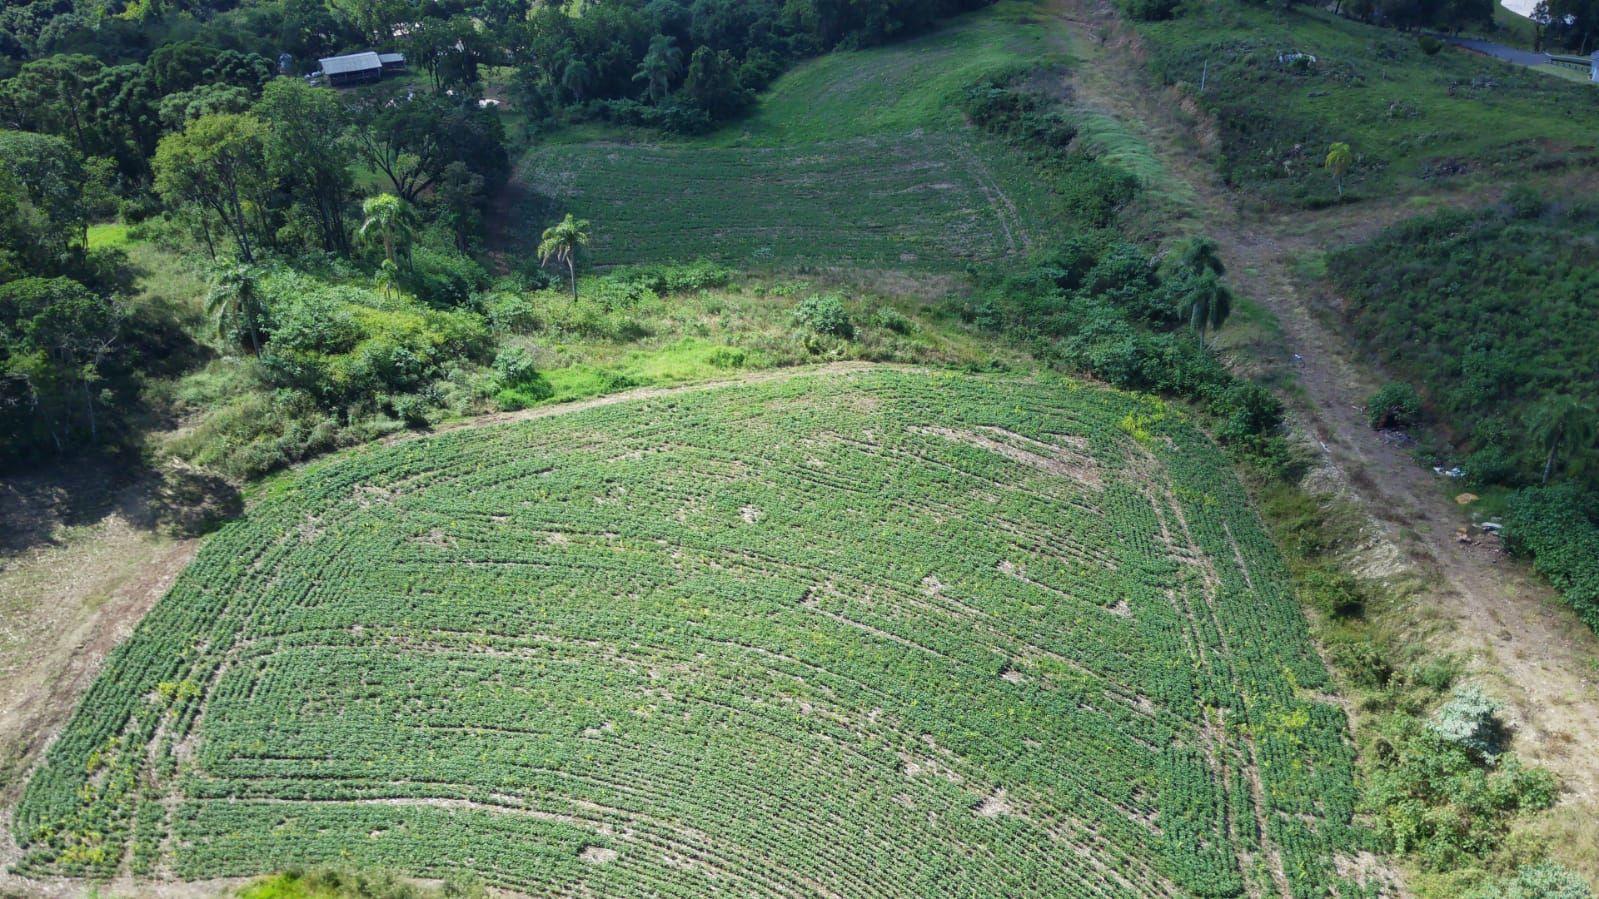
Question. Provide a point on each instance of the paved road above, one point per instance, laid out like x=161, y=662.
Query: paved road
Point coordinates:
x=1500, y=51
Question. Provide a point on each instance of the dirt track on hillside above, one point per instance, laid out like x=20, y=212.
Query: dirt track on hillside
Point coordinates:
x=1529, y=648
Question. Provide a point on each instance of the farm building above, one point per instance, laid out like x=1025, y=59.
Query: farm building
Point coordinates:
x=361, y=68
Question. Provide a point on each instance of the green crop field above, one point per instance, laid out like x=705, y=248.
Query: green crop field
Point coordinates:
x=853, y=158
x=852, y=632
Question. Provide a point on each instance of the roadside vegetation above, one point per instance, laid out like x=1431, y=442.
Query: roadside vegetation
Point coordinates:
x=1494, y=312
x=1283, y=85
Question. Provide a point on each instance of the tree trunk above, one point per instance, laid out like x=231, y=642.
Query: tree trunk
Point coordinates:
x=571, y=268
x=1549, y=463
x=88, y=405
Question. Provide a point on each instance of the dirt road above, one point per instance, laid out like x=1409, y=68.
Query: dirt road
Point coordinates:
x=1530, y=649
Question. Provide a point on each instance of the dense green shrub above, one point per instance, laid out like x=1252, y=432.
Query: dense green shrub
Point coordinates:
x=1396, y=405
x=1495, y=312
x=1429, y=44
x=1555, y=526
x=1332, y=591
x=1489, y=312
x=824, y=314
x=1434, y=799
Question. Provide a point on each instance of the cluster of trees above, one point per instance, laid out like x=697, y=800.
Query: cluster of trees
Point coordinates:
x=178, y=118
x=1572, y=25
x=72, y=355
x=1447, y=15
x=685, y=65
x=278, y=176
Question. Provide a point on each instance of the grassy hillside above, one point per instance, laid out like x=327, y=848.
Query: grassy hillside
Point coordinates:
x=881, y=632
x=1414, y=121
x=857, y=157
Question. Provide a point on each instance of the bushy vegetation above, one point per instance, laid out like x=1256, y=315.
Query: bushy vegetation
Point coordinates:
x=339, y=883
x=684, y=660
x=1101, y=305
x=1495, y=312
x=1436, y=775
x=1282, y=86
x=1396, y=405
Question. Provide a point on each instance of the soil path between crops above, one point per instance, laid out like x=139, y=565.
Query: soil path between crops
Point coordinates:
x=1532, y=649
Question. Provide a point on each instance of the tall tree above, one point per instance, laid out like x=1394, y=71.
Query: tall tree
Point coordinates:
x=412, y=141
x=576, y=77
x=1563, y=427
x=662, y=63
x=308, y=153
x=1339, y=159
x=53, y=179
x=389, y=220
x=236, y=303
x=560, y=243
x=55, y=339
x=53, y=95
x=1198, y=255
x=218, y=163
x=1210, y=304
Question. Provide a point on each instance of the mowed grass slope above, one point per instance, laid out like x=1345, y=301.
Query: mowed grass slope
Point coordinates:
x=859, y=158
x=867, y=632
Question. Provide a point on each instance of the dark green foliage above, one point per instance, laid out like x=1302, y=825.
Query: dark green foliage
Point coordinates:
x=1396, y=405
x=1429, y=44
x=1555, y=526
x=1098, y=306
x=1151, y=10
x=71, y=365
x=1489, y=310
x=1332, y=591
x=1496, y=313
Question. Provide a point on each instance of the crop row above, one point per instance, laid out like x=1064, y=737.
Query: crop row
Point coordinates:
x=869, y=634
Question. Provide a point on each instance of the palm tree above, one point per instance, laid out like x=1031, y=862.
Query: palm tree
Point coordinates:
x=1339, y=158
x=561, y=242
x=1561, y=425
x=1210, y=303
x=661, y=64
x=236, y=297
x=1200, y=254
x=387, y=278
x=575, y=78
x=391, y=219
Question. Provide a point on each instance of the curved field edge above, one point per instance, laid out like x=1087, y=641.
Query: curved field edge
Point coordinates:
x=864, y=632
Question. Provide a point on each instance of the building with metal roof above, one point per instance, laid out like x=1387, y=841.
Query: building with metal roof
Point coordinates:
x=353, y=68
